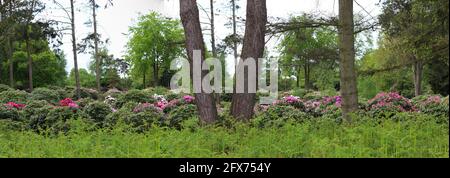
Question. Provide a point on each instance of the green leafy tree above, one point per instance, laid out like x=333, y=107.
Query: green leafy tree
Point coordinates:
x=153, y=44
x=305, y=48
x=418, y=31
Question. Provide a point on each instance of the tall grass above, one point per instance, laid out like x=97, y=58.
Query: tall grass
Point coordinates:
x=320, y=138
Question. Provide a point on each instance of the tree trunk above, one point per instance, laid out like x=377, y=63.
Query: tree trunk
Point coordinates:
x=233, y=3
x=418, y=75
x=27, y=44
x=298, y=77
x=155, y=73
x=74, y=49
x=143, y=81
x=1, y=60
x=30, y=59
x=10, y=51
x=349, y=91
x=213, y=44
x=96, y=57
x=254, y=40
x=306, y=68
x=194, y=41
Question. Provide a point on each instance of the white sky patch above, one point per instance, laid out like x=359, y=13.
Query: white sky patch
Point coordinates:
x=115, y=21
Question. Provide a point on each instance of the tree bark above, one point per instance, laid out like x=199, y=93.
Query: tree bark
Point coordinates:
x=307, y=78
x=1, y=60
x=155, y=73
x=74, y=49
x=96, y=57
x=233, y=4
x=213, y=44
x=30, y=59
x=298, y=77
x=254, y=40
x=143, y=80
x=349, y=91
x=194, y=41
x=11, y=50
x=418, y=75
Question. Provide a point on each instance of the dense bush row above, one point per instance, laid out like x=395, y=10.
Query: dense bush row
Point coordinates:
x=52, y=108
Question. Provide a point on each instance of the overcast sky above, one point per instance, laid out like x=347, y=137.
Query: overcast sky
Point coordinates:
x=115, y=20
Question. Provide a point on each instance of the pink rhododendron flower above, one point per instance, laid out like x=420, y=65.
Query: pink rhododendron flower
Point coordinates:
x=73, y=105
x=66, y=102
x=188, y=99
x=291, y=99
x=11, y=105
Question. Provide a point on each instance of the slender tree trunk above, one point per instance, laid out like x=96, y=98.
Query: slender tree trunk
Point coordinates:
x=254, y=40
x=1, y=60
x=11, y=50
x=349, y=91
x=27, y=43
x=30, y=59
x=298, y=77
x=74, y=49
x=213, y=34
x=194, y=41
x=306, y=69
x=233, y=3
x=418, y=75
x=213, y=44
x=143, y=80
x=155, y=73
x=96, y=57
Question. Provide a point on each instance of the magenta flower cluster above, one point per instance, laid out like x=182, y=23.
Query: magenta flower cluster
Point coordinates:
x=162, y=104
x=69, y=103
x=13, y=105
x=390, y=102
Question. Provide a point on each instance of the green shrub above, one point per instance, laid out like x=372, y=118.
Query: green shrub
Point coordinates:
x=9, y=113
x=83, y=102
x=137, y=96
x=432, y=105
x=120, y=114
x=89, y=93
x=13, y=96
x=279, y=115
x=113, y=93
x=97, y=112
x=226, y=97
x=57, y=119
x=173, y=96
x=157, y=90
x=145, y=120
x=4, y=87
x=300, y=92
x=46, y=94
x=36, y=113
x=179, y=114
x=33, y=105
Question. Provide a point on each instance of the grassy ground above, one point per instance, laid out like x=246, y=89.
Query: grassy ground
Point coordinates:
x=324, y=138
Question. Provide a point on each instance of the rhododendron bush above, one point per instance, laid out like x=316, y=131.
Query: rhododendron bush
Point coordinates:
x=141, y=109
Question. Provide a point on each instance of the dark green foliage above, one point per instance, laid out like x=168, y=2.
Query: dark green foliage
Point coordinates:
x=9, y=113
x=87, y=93
x=137, y=96
x=145, y=120
x=226, y=97
x=58, y=118
x=97, y=112
x=180, y=114
x=279, y=115
x=126, y=110
x=13, y=96
x=5, y=88
x=46, y=94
